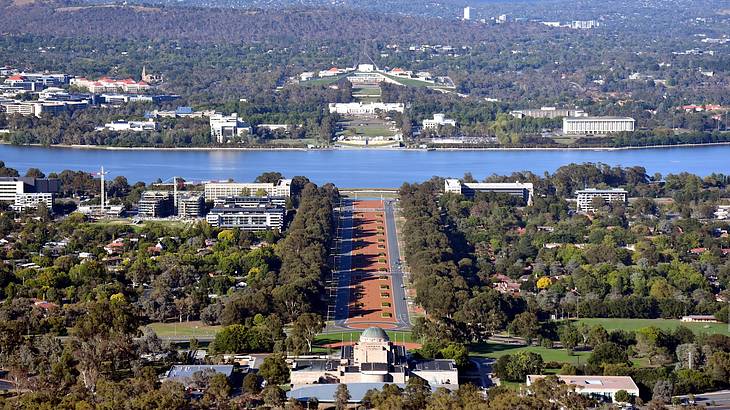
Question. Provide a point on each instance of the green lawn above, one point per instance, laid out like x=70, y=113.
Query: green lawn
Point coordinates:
x=184, y=329
x=495, y=350
x=374, y=92
x=322, y=81
x=665, y=324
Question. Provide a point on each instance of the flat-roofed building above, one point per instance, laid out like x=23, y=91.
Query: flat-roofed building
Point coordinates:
x=525, y=190
x=584, y=197
x=597, y=125
x=26, y=201
x=224, y=127
x=358, y=108
x=548, y=112
x=603, y=388
x=27, y=192
x=370, y=363
x=156, y=204
x=259, y=218
x=132, y=126
x=438, y=121
x=249, y=201
x=190, y=205
x=214, y=190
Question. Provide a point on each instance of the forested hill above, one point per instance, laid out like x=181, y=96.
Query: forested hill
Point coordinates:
x=226, y=25
x=442, y=8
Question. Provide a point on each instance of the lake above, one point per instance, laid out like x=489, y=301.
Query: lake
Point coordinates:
x=354, y=168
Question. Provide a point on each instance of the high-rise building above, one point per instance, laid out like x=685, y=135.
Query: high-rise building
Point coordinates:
x=467, y=13
x=190, y=205
x=156, y=204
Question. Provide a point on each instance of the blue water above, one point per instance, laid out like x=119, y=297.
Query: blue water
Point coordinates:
x=354, y=168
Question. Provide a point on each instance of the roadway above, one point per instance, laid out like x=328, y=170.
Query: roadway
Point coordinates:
x=396, y=268
x=713, y=400
x=339, y=313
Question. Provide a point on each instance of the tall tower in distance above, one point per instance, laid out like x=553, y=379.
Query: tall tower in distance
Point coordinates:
x=467, y=13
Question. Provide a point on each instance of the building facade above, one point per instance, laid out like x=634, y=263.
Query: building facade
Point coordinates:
x=584, y=198
x=26, y=192
x=27, y=201
x=224, y=127
x=259, y=218
x=438, y=121
x=548, y=112
x=216, y=190
x=156, y=204
x=371, y=362
x=525, y=191
x=358, y=108
x=597, y=125
x=190, y=205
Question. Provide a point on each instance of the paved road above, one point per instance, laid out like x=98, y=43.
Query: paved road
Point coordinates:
x=343, y=268
x=715, y=400
x=396, y=271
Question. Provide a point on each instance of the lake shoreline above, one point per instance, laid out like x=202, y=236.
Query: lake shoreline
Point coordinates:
x=288, y=149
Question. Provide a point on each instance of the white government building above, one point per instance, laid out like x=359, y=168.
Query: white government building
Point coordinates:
x=214, y=190
x=370, y=363
x=223, y=127
x=597, y=125
x=358, y=108
x=525, y=190
x=437, y=121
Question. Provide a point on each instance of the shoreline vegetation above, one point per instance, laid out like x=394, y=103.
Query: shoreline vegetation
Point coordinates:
x=356, y=148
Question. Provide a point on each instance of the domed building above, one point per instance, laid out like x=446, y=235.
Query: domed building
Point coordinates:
x=370, y=363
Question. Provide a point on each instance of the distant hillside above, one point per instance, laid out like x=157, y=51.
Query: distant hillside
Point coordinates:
x=226, y=25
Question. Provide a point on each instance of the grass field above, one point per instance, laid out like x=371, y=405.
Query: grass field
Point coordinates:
x=184, y=329
x=495, y=350
x=373, y=92
x=665, y=324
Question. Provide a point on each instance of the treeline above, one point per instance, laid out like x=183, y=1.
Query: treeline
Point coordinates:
x=444, y=276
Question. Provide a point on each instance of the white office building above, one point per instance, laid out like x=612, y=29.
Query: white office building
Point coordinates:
x=438, y=121
x=585, y=197
x=24, y=192
x=131, y=126
x=597, y=125
x=216, y=190
x=358, y=108
x=224, y=127
x=602, y=388
x=525, y=191
x=467, y=13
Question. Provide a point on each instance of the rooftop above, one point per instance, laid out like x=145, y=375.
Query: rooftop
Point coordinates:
x=594, y=382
